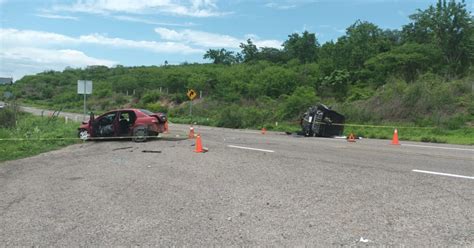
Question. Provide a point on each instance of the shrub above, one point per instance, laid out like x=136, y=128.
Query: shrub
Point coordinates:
x=295, y=104
x=231, y=116
x=151, y=97
x=119, y=99
x=156, y=107
x=103, y=93
x=8, y=117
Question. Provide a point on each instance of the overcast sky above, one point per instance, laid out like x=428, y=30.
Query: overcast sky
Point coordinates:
x=39, y=35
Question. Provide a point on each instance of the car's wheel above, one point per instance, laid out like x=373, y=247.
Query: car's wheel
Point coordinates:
x=140, y=134
x=83, y=134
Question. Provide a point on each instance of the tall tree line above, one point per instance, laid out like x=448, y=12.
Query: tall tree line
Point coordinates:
x=439, y=39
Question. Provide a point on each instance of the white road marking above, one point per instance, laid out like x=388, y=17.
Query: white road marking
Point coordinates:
x=441, y=147
x=442, y=174
x=250, y=148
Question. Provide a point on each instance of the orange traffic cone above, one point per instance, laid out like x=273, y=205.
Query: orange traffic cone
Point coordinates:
x=351, y=138
x=191, y=133
x=264, y=130
x=199, y=144
x=395, y=138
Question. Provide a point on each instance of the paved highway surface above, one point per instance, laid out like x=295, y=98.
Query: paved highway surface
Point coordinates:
x=248, y=190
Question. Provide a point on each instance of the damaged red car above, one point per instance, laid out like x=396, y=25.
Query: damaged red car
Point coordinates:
x=139, y=124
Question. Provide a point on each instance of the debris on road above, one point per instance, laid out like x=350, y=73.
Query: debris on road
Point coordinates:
x=122, y=148
x=150, y=151
x=364, y=240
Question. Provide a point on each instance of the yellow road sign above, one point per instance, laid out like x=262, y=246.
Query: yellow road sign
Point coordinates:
x=191, y=94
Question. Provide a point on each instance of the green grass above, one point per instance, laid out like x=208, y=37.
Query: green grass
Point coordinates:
x=193, y=120
x=35, y=135
x=461, y=136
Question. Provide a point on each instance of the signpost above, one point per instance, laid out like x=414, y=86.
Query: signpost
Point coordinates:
x=84, y=87
x=191, y=95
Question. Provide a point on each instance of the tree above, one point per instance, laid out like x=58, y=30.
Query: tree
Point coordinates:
x=331, y=57
x=249, y=51
x=337, y=83
x=304, y=47
x=362, y=41
x=221, y=56
x=449, y=26
x=407, y=61
x=275, y=81
x=272, y=54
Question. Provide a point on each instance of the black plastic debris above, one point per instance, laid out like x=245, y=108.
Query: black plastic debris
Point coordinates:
x=150, y=151
x=321, y=121
x=122, y=148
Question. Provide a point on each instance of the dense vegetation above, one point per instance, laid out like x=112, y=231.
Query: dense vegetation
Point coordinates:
x=29, y=135
x=419, y=75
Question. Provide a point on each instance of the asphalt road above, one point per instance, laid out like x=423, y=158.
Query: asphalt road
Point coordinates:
x=292, y=191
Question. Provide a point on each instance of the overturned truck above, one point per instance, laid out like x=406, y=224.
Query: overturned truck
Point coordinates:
x=321, y=121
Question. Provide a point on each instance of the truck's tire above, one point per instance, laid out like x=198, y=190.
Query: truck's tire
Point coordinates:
x=140, y=134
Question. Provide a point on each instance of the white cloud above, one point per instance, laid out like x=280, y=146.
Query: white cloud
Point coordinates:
x=18, y=38
x=20, y=61
x=289, y=4
x=198, y=38
x=53, y=57
x=158, y=47
x=61, y=17
x=28, y=51
x=280, y=6
x=268, y=43
x=151, y=22
x=31, y=38
x=194, y=8
x=211, y=40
